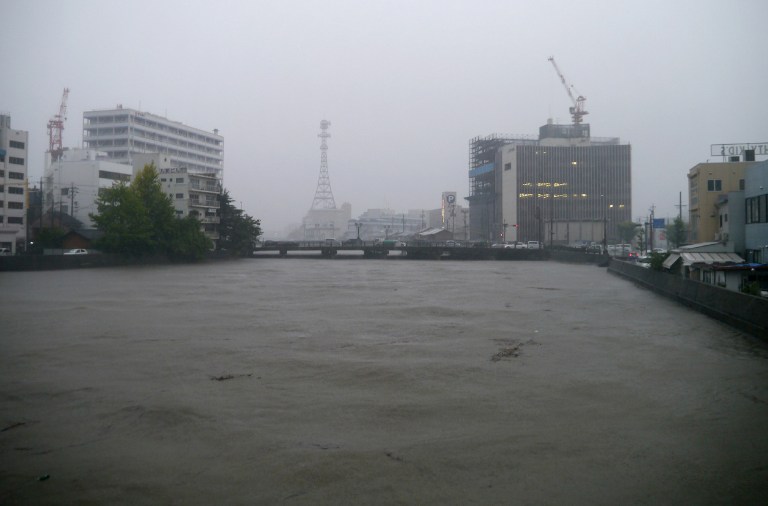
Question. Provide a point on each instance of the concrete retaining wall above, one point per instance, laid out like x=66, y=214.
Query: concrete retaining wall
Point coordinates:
x=54, y=262
x=745, y=312
x=577, y=257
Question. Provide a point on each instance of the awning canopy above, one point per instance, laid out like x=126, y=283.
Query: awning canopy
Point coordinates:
x=702, y=258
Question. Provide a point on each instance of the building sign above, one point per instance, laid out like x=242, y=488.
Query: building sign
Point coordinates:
x=174, y=170
x=760, y=148
x=448, y=207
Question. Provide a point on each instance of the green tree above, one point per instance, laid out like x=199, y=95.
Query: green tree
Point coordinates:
x=657, y=260
x=140, y=220
x=158, y=208
x=627, y=230
x=237, y=231
x=123, y=221
x=187, y=242
x=677, y=233
x=640, y=235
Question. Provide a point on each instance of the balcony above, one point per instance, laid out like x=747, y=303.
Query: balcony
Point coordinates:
x=212, y=188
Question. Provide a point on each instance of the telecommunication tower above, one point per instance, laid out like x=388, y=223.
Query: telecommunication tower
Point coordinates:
x=323, y=194
x=56, y=127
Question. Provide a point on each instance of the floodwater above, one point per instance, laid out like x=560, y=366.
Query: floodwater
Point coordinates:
x=305, y=382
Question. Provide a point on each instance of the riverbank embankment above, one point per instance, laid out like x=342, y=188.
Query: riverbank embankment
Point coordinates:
x=745, y=312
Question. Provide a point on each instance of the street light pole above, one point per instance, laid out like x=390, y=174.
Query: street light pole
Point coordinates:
x=604, y=202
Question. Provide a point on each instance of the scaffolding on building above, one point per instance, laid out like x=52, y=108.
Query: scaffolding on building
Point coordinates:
x=485, y=215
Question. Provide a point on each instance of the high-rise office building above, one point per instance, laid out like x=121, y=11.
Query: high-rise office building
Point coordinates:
x=562, y=187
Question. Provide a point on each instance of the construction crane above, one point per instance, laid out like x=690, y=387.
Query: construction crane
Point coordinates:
x=56, y=128
x=577, y=110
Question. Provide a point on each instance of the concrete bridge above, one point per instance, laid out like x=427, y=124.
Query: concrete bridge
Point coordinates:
x=412, y=250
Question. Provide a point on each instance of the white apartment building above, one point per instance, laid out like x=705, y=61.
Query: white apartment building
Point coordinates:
x=195, y=195
x=72, y=183
x=122, y=133
x=13, y=185
x=191, y=193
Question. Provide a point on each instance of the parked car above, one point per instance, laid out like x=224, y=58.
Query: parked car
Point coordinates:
x=595, y=249
x=76, y=251
x=534, y=245
x=644, y=261
x=4, y=252
x=453, y=244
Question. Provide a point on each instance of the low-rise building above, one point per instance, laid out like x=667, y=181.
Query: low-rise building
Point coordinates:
x=756, y=209
x=193, y=194
x=73, y=182
x=688, y=261
x=708, y=184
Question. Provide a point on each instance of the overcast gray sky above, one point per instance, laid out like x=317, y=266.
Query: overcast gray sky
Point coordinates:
x=405, y=85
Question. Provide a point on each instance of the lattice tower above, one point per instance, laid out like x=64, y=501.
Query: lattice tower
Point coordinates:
x=323, y=194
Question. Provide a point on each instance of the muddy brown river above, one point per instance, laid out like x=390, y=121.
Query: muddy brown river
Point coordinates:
x=328, y=382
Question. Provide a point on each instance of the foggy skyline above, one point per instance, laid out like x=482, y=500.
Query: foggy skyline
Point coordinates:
x=405, y=85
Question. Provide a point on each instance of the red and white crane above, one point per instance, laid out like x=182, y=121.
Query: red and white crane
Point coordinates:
x=577, y=110
x=56, y=127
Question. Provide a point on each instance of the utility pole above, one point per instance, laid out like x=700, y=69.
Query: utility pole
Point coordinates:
x=650, y=236
x=466, y=231
x=680, y=206
x=72, y=199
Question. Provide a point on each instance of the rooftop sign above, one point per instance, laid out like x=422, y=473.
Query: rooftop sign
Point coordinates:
x=761, y=148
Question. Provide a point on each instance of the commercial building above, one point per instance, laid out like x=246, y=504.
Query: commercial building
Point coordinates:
x=708, y=185
x=562, y=187
x=122, y=133
x=384, y=224
x=72, y=183
x=756, y=210
x=13, y=185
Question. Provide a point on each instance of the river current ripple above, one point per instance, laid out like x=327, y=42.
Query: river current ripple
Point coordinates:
x=307, y=381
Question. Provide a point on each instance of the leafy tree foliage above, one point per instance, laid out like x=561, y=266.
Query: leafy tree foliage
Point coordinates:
x=48, y=237
x=627, y=230
x=139, y=219
x=657, y=260
x=237, y=231
x=640, y=235
x=677, y=233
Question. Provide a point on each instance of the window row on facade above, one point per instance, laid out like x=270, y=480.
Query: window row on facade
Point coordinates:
x=18, y=190
x=757, y=209
x=122, y=119
x=120, y=137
